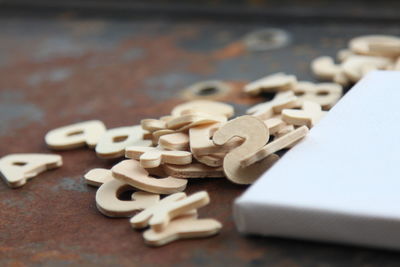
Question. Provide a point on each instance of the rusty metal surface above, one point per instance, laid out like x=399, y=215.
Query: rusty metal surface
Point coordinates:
x=56, y=71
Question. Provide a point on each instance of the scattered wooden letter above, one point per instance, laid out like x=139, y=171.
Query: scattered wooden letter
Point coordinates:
x=193, y=170
x=113, y=143
x=153, y=125
x=207, y=106
x=141, y=220
x=180, y=228
x=151, y=157
x=376, y=45
x=188, y=121
x=201, y=144
x=310, y=114
x=284, y=130
x=256, y=135
x=272, y=83
x=352, y=66
x=174, y=141
x=212, y=160
x=75, y=135
x=97, y=177
x=109, y=204
x=16, y=169
x=325, y=94
x=157, y=134
x=389, y=49
x=267, y=109
x=130, y=172
x=274, y=124
x=276, y=145
x=325, y=68
x=171, y=210
x=344, y=54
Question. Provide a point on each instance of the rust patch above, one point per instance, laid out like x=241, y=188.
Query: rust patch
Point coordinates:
x=232, y=50
x=53, y=254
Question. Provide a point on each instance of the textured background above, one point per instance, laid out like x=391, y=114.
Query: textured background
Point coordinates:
x=57, y=68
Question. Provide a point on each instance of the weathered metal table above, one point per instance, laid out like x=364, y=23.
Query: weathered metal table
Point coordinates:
x=56, y=70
